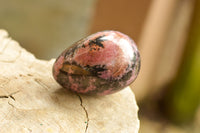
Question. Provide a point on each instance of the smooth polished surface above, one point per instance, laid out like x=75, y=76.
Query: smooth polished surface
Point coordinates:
x=102, y=63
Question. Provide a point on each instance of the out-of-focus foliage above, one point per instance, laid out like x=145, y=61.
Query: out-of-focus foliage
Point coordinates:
x=183, y=98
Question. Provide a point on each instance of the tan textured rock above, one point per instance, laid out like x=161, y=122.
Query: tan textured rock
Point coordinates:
x=32, y=101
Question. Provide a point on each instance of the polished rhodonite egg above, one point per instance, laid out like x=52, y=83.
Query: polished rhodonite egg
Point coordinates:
x=102, y=63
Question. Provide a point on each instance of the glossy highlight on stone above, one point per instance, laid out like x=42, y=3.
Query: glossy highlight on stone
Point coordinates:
x=100, y=64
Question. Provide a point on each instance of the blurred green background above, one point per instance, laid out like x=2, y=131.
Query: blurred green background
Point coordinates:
x=167, y=34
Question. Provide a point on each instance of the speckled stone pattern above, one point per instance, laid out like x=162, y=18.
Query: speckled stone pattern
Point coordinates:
x=101, y=64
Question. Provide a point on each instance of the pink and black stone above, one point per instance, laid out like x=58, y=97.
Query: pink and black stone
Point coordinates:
x=101, y=64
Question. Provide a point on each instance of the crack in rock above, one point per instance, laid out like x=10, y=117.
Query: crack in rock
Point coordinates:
x=38, y=81
x=4, y=97
x=11, y=104
x=9, y=96
x=86, y=113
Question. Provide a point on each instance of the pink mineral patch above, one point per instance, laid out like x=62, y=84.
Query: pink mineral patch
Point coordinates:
x=85, y=57
x=57, y=66
x=106, y=92
x=102, y=64
x=111, y=54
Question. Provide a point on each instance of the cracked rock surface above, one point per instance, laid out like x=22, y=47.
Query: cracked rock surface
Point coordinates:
x=32, y=101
